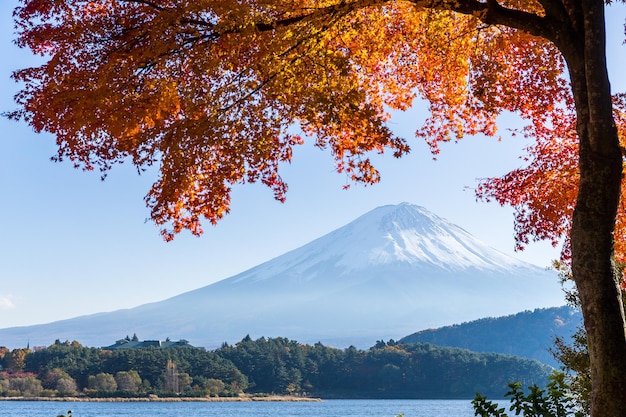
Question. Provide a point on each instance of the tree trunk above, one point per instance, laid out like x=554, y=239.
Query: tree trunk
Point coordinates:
x=593, y=264
x=596, y=279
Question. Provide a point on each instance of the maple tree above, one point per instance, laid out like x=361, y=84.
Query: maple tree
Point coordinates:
x=544, y=191
x=212, y=90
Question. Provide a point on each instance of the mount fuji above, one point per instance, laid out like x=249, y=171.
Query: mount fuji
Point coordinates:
x=389, y=273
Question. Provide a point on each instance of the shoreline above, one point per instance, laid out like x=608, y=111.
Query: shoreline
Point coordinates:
x=249, y=398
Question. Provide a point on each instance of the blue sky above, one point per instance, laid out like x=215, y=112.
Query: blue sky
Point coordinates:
x=73, y=245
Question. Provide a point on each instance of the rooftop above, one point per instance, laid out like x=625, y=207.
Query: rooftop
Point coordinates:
x=135, y=343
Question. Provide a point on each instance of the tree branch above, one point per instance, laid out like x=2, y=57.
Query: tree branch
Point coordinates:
x=493, y=13
x=309, y=13
x=149, y=4
x=555, y=25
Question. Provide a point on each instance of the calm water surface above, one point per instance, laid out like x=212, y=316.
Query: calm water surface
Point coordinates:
x=330, y=408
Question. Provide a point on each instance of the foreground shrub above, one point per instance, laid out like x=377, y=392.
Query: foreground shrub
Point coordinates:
x=555, y=401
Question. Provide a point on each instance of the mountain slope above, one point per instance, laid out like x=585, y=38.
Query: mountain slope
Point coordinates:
x=528, y=334
x=390, y=272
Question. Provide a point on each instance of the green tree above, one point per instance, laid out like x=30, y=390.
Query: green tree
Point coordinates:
x=552, y=402
x=271, y=365
x=60, y=381
x=574, y=354
x=213, y=387
x=66, y=387
x=28, y=386
x=4, y=385
x=74, y=359
x=184, y=381
x=128, y=381
x=575, y=359
x=102, y=382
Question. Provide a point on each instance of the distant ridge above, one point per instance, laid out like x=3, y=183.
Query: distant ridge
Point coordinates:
x=394, y=270
x=528, y=334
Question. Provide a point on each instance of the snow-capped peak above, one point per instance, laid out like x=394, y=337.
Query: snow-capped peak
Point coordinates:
x=403, y=234
x=411, y=234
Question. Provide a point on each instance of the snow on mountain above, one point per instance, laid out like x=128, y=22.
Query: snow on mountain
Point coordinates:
x=398, y=234
x=393, y=271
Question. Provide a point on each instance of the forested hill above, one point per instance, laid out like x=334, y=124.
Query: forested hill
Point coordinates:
x=387, y=370
x=529, y=334
x=273, y=365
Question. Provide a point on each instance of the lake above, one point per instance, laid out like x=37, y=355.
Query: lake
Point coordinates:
x=329, y=408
